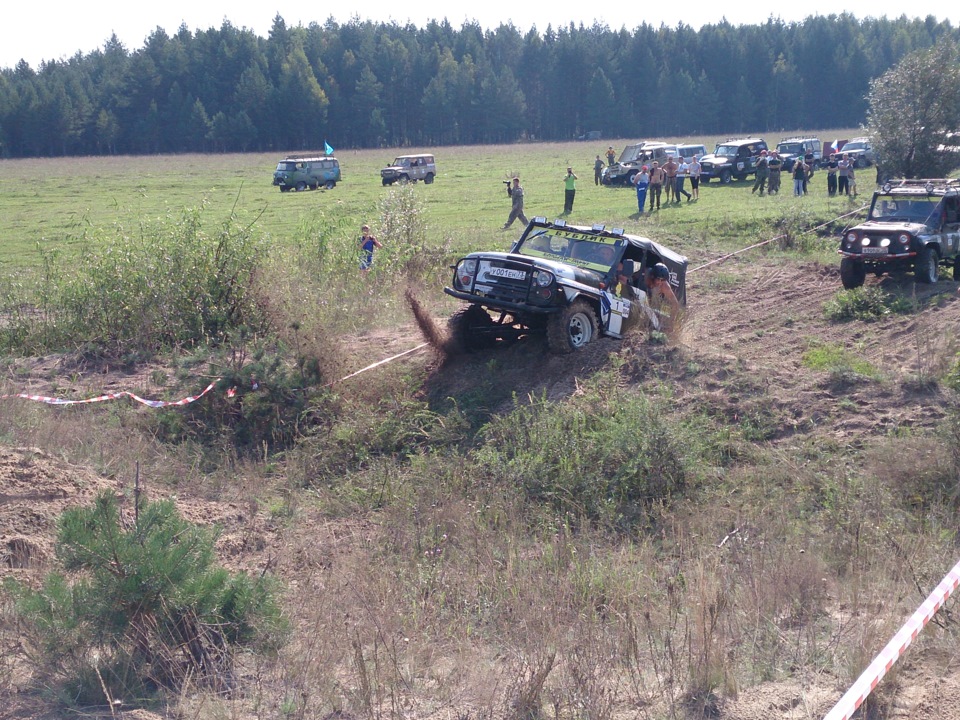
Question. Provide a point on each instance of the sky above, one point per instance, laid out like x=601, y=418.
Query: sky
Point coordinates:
x=39, y=31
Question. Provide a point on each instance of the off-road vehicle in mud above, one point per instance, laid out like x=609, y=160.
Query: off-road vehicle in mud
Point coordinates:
x=732, y=159
x=632, y=159
x=299, y=172
x=560, y=280
x=806, y=147
x=410, y=168
x=912, y=225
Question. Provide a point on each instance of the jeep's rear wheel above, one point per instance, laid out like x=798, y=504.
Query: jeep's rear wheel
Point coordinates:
x=571, y=329
x=428, y=179
x=301, y=186
x=329, y=184
x=852, y=273
x=469, y=329
x=725, y=177
x=925, y=268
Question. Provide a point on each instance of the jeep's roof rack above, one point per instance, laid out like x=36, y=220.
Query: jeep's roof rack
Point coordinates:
x=928, y=185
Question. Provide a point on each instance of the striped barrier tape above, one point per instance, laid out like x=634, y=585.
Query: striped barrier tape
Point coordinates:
x=858, y=692
x=111, y=396
x=231, y=392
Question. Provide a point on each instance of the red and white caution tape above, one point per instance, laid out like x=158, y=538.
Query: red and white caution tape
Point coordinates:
x=377, y=364
x=859, y=691
x=111, y=396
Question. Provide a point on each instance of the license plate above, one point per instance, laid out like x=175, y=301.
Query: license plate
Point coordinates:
x=508, y=273
x=874, y=251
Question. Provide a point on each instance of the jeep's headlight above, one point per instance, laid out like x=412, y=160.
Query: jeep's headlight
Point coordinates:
x=851, y=238
x=543, y=278
x=865, y=241
x=467, y=267
x=885, y=242
x=904, y=239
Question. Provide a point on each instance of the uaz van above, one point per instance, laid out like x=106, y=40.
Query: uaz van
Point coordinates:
x=299, y=173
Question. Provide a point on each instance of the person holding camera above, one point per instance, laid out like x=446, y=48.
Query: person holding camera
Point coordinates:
x=569, y=191
x=515, y=191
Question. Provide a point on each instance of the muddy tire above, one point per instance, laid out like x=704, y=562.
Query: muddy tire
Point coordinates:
x=467, y=330
x=572, y=329
x=925, y=267
x=852, y=273
x=726, y=177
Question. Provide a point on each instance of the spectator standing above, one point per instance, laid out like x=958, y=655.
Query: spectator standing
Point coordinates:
x=774, y=166
x=843, y=176
x=597, y=170
x=832, y=167
x=852, y=180
x=641, y=181
x=799, y=175
x=694, y=170
x=569, y=191
x=611, y=155
x=682, y=172
x=670, y=168
x=367, y=244
x=763, y=172
x=656, y=184
x=515, y=191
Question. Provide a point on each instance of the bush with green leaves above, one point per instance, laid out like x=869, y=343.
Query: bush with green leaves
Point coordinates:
x=865, y=303
x=141, y=606
x=170, y=283
x=607, y=456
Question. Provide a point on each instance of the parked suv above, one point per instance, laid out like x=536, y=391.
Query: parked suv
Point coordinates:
x=687, y=152
x=860, y=150
x=558, y=280
x=297, y=172
x=912, y=225
x=732, y=159
x=632, y=159
x=410, y=168
x=809, y=148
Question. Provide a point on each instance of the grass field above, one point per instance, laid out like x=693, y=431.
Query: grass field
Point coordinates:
x=57, y=202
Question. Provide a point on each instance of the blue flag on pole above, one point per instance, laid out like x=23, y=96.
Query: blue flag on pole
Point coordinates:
x=326, y=148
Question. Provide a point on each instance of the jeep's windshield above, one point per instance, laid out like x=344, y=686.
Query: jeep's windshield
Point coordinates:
x=286, y=166
x=593, y=253
x=729, y=151
x=790, y=149
x=924, y=209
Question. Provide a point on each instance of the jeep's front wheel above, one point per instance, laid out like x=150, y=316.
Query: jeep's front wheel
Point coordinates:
x=301, y=186
x=329, y=185
x=428, y=179
x=469, y=329
x=852, y=273
x=571, y=329
x=925, y=268
x=725, y=177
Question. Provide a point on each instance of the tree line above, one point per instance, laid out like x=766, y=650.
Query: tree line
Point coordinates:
x=370, y=84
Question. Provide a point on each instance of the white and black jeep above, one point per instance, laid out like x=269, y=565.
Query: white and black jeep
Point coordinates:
x=560, y=280
x=912, y=225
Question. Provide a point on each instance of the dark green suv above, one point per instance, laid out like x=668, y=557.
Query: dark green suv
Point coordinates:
x=296, y=172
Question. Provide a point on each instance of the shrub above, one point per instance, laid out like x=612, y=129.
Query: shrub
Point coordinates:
x=142, y=606
x=606, y=458
x=170, y=284
x=864, y=303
